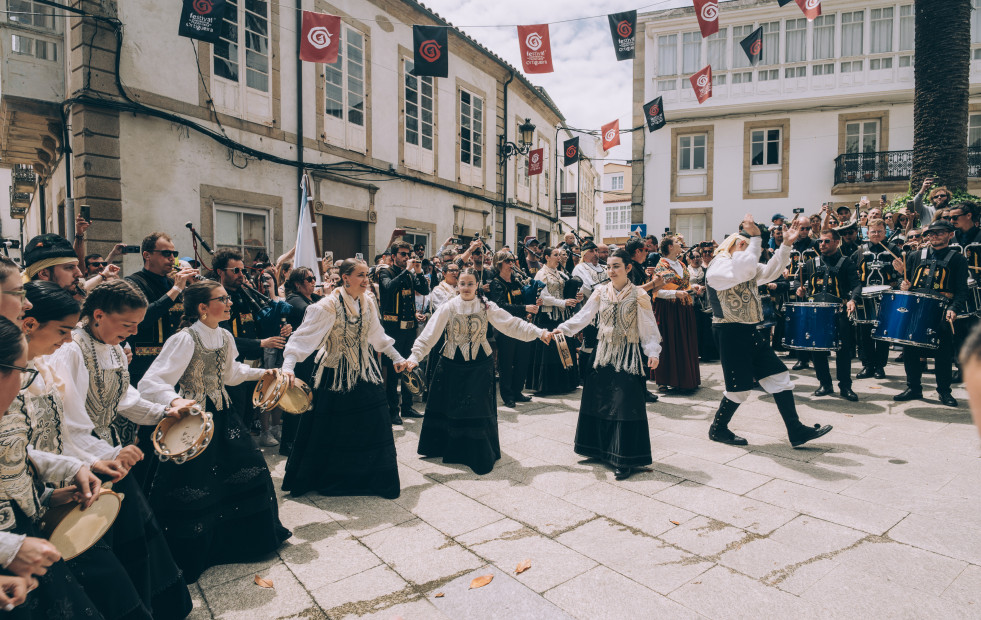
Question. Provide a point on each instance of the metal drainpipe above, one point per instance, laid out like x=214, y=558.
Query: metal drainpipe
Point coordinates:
x=504, y=166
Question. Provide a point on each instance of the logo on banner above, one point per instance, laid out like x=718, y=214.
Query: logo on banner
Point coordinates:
x=203, y=7
x=710, y=12
x=702, y=81
x=610, y=135
x=571, y=151
x=812, y=4
x=319, y=37
x=756, y=47
x=535, y=159
x=624, y=29
x=429, y=50
x=535, y=162
x=654, y=110
x=534, y=41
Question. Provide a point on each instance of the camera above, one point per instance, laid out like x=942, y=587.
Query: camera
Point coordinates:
x=131, y=249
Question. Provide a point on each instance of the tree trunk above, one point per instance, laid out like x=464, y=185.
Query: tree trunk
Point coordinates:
x=942, y=65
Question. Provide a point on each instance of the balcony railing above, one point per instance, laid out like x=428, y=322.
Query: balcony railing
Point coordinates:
x=884, y=166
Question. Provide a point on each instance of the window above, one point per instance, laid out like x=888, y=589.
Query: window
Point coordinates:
x=691, y=152
x=796, y=37
x=769, y=74
x=718, y=80
x=880, y=63
x=825, y=69
x=765, y=147
x=880, y=21
x=906, y=61
x=795, y=72
x=771, y=43
x=691, y=52
x=663, y=85
x=851, y=33
x=691, y=227
x=248, y=22
x=974, y=131
x=344, y=81
x=851, y=67
x=523, y=179
x=616, y=182
x=29, y=46
x=907, y=22
x=742, y=78
x=824, y=37
x=667, y=54
x=22, y=45
x=617, y=217
x=717, y=50
x=419, y=108
x=975, y=21
x=243, y=230
x=29, y=13
x=862, y=137
x=414, y=237
x=471, y=129
x=739, y=58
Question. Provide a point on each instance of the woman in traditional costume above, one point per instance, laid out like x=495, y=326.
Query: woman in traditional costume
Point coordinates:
x=547, y=375
x=675, y=316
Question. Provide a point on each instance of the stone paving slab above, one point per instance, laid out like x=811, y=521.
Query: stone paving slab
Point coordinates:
x=879, y=518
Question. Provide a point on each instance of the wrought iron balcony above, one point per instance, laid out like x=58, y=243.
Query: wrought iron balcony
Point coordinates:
x=25, y=179
x=884, y=166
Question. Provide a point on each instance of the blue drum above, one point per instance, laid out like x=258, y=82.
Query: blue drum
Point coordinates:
x=811, y=326
x=910, y=318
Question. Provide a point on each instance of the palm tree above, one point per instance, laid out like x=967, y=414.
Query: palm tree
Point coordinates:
x=940, y=97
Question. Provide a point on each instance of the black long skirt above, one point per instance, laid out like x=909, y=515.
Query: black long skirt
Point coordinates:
x=106, y=582
x=460, y=424
x=679, y=345
x=612, y=423
x=546, y=375
x=345, y=445
x=59, y=594
x=219, y=507
x=139, y=543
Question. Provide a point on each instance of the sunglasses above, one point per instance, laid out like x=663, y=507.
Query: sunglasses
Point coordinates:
x=823, y=241
x=914, y=237
x=166, y=253
x=225, y=299
x=97, y=263
x=941, y=196
x=27, y=375
x=508, y=260
x=309, y=279
x=403, y=254
x=235, y=270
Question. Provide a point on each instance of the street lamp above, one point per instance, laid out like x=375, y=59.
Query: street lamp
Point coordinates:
x=509, y=149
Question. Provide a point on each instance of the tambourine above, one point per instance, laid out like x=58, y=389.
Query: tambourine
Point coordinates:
x=564, y=355
x=182, y=440
x=73, y=531
x=415, y=380
x=275, y=391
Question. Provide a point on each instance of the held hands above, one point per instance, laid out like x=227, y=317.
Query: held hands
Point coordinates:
x=771, y=286
x=272, y=373
x=682, y=296
x=414, y=265
x=128, y=352
x=531, y=309
x=409, y=366
x=273, y=342
x=34, y=557
x=546, y=336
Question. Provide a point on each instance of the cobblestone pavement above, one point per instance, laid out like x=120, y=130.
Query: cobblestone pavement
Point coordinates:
x=879, y=518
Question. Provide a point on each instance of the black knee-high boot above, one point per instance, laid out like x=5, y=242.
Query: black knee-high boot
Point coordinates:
x=798, y=433
x=719, y=430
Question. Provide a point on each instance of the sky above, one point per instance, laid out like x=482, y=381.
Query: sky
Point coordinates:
x=588, y=84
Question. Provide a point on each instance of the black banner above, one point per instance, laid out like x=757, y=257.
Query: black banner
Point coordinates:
x=623, y=27
x=201, y=19
x=570, y=149
x=654, y=113
x=430, y=54
x=753, y=45
x=784, y=2
x=567, y=204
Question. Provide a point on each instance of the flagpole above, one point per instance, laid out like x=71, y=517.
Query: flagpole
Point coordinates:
x=578, y=182
x=300, y=172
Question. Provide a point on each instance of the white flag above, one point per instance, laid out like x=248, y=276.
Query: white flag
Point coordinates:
x=306, y=249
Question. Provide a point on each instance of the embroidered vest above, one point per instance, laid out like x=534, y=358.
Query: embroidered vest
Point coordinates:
x=44, y=412
x=346, y=350
x=17, y=476
x=204, y=376
x=466, y=333
x=555, y=285
x=739, y=304
x=106, y=389
x=619, y=334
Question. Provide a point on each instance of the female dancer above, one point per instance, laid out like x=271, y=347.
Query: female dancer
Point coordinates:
x=675, y=316
x=546, y=374
x=344, y=445
x=613, y=418
x=219, y=507
x=460, y=424
x=93, y=365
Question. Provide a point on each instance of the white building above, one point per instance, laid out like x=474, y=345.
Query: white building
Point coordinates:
x=616, y=203
x=386, y=149
x=826, y=116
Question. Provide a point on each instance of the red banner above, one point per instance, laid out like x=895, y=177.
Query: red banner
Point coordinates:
x=536, y=53
x=701, y=83
x=320, y=37
x=611, y=135
x=536, y=162
x=707, y=12
x=811, y=8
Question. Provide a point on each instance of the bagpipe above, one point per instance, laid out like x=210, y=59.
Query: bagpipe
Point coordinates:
x=572, y=287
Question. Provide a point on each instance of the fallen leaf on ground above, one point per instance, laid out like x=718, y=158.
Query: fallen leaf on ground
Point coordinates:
x=480, y=582
x=848, y=415
x=263, y=583
x=875, y=387
x=440, y=595
x=675, y=522
x=522, y=567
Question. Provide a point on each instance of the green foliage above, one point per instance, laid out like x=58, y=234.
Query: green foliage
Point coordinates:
x=899, y=202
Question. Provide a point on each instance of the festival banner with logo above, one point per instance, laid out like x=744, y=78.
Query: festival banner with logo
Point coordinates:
x=811, y=8
x=430, y=54
x=570, y=150
x=753, y=46
x=201, y=19
x=623, y=28
x=701, y=83
x=654, y=114
x=536, y=52
x=536, y=162
x=784, y=2
x=707, y=12
x=320, y=37
x=611, y=135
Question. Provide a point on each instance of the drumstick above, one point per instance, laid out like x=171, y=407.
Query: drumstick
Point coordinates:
x=951, y=321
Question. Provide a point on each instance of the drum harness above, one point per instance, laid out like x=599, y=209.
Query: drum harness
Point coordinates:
x=827, y=271
x=932, y=269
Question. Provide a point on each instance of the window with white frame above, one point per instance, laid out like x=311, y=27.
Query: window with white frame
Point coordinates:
x=241, y=60
x=880, y=63
x=691, y=52
x=344, y=90
x=769, y=75
x=765, y=145
x=862, y=136
x=544, y=185
x=825, y=69
x=415, y=237
x=691, y=152
x=742, y=78
x=31, y=13
x=617, y=217
x=692, y=227
x=796, y=40
x=852, y=25
x=716, y=50
x=718, y=80
x=471, y=137
x=419, y=107
x=663, y=85
x=243, y=230
x=616, y=182
x=771, y=43
x=851, y=67
x=907, y=23
x=739, y=58
x=795, y=72
x=880, y=22
x=975, y=21
x=824, y=37
x=667, y=54
x=974, y=131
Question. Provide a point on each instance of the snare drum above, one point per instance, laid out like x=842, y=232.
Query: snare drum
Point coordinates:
x=275, y=391
x=182, y=440
x=73, y=531
x=972, y=304
x=910, y=318
x=867, y=307
x=811, y=326
x=564, y=353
